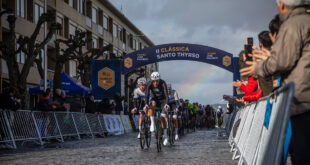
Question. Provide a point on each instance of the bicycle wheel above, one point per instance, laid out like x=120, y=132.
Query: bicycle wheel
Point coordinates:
x=171, y=131
x=148, y=134
x=142, y=135
x=158, y=135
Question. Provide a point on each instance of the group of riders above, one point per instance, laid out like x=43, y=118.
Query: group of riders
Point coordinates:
x=156, y=98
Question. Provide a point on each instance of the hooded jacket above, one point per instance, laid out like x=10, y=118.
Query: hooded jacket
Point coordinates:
x=290, y=57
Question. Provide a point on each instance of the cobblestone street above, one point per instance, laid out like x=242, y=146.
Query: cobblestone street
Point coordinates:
x=200, y=147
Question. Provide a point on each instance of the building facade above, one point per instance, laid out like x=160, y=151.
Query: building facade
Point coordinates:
x=103, y=23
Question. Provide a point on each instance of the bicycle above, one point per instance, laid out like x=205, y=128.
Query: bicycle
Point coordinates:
x=158, y=130
x=170, y=126
x=145, y=133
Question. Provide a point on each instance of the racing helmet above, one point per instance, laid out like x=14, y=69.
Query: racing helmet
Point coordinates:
x=141, y=81
x=169, y=87
x=155, y=76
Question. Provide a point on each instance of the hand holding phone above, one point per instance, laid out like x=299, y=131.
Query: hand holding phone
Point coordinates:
x=250, y=41
x=248, y=50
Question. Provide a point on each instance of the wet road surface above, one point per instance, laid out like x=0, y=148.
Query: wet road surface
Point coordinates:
x=200, y=147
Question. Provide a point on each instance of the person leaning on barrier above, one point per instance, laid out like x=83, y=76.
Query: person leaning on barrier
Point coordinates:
x=44, y=105
x=91, y=106
x=9, y=101
x=104, y=106
x=290, y=58
x=265, y=43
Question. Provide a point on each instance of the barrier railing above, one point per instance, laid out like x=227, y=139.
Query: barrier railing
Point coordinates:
x=37, y=126
x=257, y=131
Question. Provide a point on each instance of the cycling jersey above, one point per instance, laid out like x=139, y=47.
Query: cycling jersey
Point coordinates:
x=173, y=97
x=158, y=93
x=138, y=99
x=174, y=100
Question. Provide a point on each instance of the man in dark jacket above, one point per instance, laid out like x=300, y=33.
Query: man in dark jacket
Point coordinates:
x=105, y=106
x=118, y=103
x=91, y=106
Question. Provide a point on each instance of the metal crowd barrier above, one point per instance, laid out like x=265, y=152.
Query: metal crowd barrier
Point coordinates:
x=36, y=126
x=256, y=134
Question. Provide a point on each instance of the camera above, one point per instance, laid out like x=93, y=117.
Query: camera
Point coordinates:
x=250, y=40
x=247, y=51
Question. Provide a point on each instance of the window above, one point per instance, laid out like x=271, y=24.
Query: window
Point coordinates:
x=137, y=45
x=20, y=8
x=59, y=20
x=134, y=44
x=81, y=6
x=20, y=58
x=38, y=11
x=71, y=3
x=95, y=42
x=105, y=22
x=72, y=66
x=94, y=15
x=115, y=52
x=119, y=33
x=115, y=30
x=72, y=30
x=106, y=52
x=119, y=54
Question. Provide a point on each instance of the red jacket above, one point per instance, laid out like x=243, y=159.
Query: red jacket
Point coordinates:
x=250, y=87
x=253, y=96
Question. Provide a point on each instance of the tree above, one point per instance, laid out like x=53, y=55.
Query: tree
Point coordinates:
x=27, y=44
x=85, y=59
x=74, y=51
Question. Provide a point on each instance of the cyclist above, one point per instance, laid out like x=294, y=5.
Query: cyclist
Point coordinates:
x=157, y=88
x=219, y=113
x=174, y=104
x=139, y=100
x=190, y=113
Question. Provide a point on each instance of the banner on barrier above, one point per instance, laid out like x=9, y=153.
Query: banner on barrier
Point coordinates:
x=135, y=119
x=113, y=124
x=126, y=123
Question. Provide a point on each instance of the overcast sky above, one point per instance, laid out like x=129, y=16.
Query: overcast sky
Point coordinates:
x=223, y=24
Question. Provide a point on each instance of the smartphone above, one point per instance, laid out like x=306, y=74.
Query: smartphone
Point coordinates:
x=247, y=51
x=250, y=40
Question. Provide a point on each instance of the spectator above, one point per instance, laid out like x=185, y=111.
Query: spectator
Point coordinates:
x=44, y=106
x=265, y=84
x=60, y=101
x=274, y=27
x=49, y=91
x=118, y=103
x=91, y=106
x=9, y=100
x=64, y=102
x=290, y=57
x=57, y=95
x=44, y=103
x=105, y=107
x=252, y=90
x=251, y=85
x=76, y=104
